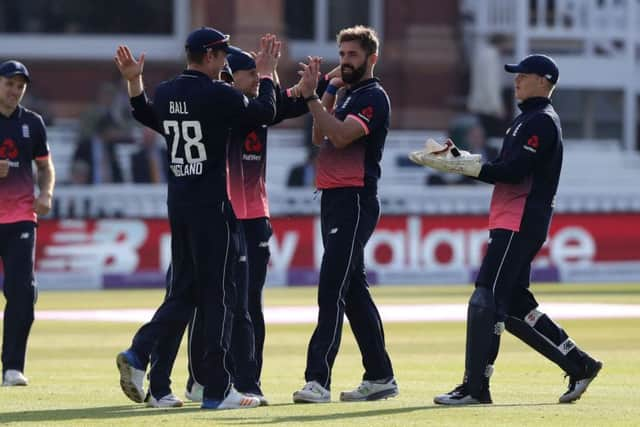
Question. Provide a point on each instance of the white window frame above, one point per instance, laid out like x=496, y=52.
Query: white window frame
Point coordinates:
x=321, y=45
x=91, y=47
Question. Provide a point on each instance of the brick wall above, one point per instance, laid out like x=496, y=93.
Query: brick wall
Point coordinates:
x=421, y=65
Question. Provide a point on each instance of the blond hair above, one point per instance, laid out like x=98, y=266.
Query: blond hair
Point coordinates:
x=366, y=36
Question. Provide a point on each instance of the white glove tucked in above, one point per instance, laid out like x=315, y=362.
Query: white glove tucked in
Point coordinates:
x=447, y=158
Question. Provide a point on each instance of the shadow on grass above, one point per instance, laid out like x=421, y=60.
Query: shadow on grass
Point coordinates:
x=249, y=417
x=97, y=413
x=354, y=413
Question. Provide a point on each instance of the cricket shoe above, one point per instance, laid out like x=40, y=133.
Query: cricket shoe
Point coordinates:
x=578, y=384
x=195, y=393
x=168, y=401
x=234, y=400
x=312, y=392
x=131, y=375
x=263, y=400
x=461, y=396
x=14, y=377
x=371, y=390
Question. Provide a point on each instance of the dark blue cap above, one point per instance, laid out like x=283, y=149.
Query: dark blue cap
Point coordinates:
x=240, y=61
x=205, y=38
x=14, y=68
x=541, y=65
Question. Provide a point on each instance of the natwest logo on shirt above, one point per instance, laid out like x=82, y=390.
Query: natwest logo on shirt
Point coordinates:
x=252, y=148
x=9, y=149
x=252, y=143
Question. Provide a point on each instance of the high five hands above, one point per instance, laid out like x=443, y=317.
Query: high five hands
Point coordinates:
x=309, y=74
x=267, y=58
x=129, y=67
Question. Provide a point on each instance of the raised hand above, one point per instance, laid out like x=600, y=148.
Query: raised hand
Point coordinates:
x=267, y=57
x=309, y=74
x=129, y=67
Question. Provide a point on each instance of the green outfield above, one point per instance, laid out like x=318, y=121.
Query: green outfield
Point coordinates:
x=74, y=380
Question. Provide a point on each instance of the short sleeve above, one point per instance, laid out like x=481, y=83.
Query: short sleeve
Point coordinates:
x=40, y=144
x=371, y=110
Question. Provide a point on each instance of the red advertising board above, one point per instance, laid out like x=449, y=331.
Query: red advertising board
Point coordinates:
x=404, y=249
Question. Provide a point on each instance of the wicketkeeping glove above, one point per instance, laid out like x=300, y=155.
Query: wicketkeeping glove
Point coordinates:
x=447, y=158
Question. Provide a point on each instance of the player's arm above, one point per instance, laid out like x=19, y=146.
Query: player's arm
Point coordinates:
x=46, y=174
x=340, y=133
x=131, y=71
x=328, y=101
x=46, y=181
x=534, y=137
x=242, y=111
x=261, y=110
x=142, y=110
x=4, y=168
x=288, y=107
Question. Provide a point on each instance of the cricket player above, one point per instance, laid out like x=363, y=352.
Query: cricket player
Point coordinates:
x=247, y=160
x=351, y=132
x=23, y=139
x=194, y=112
x=525, y=178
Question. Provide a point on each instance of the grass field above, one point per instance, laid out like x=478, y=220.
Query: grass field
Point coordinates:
x=74, y=380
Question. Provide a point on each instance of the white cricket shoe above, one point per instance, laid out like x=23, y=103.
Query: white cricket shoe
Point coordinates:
x=371, y=390
x=312, y=392
x=263, y=400
x=168, y=401
x=195, y=394
x=14, y=377
x=234, y=400
x=578, y=385
x=131, y=378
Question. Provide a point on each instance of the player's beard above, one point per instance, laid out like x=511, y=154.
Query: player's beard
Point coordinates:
x=355, y=75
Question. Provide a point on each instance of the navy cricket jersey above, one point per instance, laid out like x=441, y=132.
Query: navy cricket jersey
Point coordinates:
x=358, y=164
x=195, y=114
x=247, y=159
x=527, y=172
x=23, y=138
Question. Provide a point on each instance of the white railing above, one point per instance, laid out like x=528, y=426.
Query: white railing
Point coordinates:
x=593, y=22
x=594, y=41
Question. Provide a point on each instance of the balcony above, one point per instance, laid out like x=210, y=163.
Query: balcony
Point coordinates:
x=596, y=43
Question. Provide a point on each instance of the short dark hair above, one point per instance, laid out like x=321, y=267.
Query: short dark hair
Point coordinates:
x=366, y=36
x=198, y=56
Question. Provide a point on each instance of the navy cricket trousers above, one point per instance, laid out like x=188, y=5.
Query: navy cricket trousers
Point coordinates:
x=506, y=270
x=248, y=335
x=17, y=250
x=202, y=253
x=348, y=218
